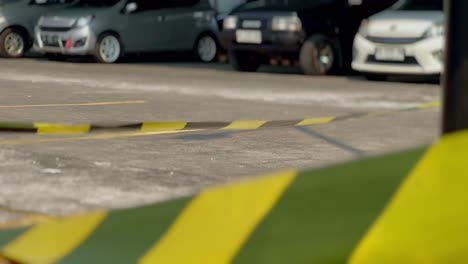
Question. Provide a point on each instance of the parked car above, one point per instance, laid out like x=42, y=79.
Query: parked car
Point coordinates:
x=315, y=34
x=17, y=20
x=107, y=29
x=406, y=39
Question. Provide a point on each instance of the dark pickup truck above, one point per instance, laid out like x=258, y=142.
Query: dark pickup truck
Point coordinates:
x=315, y=34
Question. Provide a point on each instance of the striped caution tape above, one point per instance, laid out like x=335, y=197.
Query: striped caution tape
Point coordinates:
x=55, y=129
x=400, y=208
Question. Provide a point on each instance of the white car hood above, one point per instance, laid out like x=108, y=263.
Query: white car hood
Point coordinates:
x=403, y=24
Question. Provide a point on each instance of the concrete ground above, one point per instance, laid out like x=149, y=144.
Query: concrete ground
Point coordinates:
x=70, y=174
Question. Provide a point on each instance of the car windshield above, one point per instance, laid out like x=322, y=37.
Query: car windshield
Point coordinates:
x=282, y=4
x=418, y=5
x=96, y=3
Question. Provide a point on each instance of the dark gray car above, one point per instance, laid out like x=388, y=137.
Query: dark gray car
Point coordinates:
x=107, y=29
x=17, y=20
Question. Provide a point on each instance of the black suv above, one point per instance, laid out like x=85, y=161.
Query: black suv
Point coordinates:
x=315, y=34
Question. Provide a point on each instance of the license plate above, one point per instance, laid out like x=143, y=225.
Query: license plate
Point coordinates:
x=51, y=40
x=249, y=36
x=390, y=54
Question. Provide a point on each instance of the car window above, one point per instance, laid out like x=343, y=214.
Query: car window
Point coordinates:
x=422, y=5
x=48, y=2
x=285, y=4
x=95, y=3
x=226, y=6
x=144, y=5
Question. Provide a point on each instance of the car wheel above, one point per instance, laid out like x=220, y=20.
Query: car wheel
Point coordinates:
x=55, y=57
x=318, y=56
x=376, y=77
x=206, y=48
x=108, y=48
x=13, y=43
x=244, y=61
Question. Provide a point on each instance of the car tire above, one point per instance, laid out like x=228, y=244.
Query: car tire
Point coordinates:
x=244, y=61
x=206, y=48
x=55, y=57
x=319, y=56
x=108, y=48
x=376, y=77
x=13, y=43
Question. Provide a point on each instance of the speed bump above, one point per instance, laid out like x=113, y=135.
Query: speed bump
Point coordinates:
x=63, y=128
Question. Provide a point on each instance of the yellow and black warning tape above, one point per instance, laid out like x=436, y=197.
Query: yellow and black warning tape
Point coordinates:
x=56, y=128
x=400, y=208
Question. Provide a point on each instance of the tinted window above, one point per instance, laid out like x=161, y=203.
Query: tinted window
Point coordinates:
x=226, y=6
x=286, y=4
x=50, y=2
x=159, y=4
x=419, y=5
x=96, y=3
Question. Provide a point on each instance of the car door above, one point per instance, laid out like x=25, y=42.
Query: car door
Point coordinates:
x=184, y=20
x=146, y=28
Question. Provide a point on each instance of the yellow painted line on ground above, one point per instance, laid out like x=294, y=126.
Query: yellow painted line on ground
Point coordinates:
x=76, y=104
x=163, y=126
x=216, y=223
x=245, y=125
x=429, y=105
x=426, y=220
x=50, y=241
x=50, y=129
x=104, y=136
x=316, y=121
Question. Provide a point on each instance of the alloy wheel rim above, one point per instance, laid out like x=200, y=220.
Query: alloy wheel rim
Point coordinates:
x=110, y=49
x=14, y=44
x=326, y=57
x=207, y=49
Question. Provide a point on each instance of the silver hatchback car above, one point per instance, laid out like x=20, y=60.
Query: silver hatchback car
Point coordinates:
x=107, y=29
x=17, y=21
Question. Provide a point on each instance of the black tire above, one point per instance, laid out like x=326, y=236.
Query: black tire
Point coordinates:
x=244, y=61
x=112, y=58
x=311, y=60
x=376, y=77
x=55, y=57
x=210, y=53
x=8, y=53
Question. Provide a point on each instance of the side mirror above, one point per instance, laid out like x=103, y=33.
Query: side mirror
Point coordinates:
x=38, y=2
x=131, y=7
x=354, y=2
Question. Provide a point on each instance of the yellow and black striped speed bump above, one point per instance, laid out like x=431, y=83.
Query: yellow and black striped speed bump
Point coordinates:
x=401, y=208
x=55, y=129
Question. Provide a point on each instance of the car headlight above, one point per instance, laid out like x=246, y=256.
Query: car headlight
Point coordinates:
x=290, y=23
x=84, y=21
x=230, y=22
x=41, y=20
x=435, y=31
x=364, y=28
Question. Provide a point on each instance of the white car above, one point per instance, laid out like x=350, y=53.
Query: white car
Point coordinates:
x=408, y=38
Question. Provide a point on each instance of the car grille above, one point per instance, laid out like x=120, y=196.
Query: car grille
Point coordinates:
x=250, y=23
x=56, y=29
x=409, y=60
x=57, y=22
x=385, y=40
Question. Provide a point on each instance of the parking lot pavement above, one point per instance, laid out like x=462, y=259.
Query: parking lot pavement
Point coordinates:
x=71, y=173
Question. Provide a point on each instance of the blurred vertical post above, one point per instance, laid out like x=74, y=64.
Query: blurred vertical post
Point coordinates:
x=455, y=80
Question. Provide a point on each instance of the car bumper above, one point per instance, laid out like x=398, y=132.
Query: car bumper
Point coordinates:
x=83, y=41
x=272, y=42
x=423, y=57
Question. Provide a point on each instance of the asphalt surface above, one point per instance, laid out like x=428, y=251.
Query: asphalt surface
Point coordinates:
x=71, y=174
